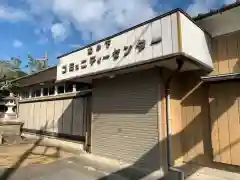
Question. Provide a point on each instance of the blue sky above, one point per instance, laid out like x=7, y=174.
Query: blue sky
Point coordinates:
x=59, y=26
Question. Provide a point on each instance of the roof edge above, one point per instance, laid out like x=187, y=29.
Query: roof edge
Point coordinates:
x=214, y=12
x=128, y=29
x=221, y=77
x=29, y=75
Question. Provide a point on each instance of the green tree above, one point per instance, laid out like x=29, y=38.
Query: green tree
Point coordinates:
x=9, y=70
x=36, y=65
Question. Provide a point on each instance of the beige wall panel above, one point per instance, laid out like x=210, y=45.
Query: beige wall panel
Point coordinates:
x=143, y=33
x=190, y=119
x=36, y=122
x=157, y=33
x=167, y=35
x=201, y=122
x=213, y=101
x=189, y=133
x=78, y=116
x=225, y=107
x=226, y=53
x=50, y=116
x=233, y=50
x=219, y=105
x=58, y=116
x=31, y=115
x=215, y=57
x=222, y=56
x=67, y=116
x=223, y=125
x=234, y=126
x=43, y=115
x=174, y=25
x=23, y=114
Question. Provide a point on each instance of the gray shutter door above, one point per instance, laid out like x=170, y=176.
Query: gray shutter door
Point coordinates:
x=125, y=118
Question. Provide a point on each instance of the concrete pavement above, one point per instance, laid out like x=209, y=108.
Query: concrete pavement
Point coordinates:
x=66, y=169
x=83, y=168
x=50, y=163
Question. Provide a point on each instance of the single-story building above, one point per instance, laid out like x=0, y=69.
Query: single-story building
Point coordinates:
x=154, y=95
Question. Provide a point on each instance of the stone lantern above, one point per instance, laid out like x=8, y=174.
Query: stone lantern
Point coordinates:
x=10, y=127
x=11, y=107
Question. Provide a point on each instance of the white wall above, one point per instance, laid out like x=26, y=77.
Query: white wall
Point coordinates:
x=166, y=28
x=195, y=42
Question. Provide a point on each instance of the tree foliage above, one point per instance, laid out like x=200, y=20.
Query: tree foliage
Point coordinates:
x=9, y=70
x=36, y=65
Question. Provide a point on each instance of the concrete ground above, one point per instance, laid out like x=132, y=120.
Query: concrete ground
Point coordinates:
x=197, y=172
x=38, y=162
x=11, y=155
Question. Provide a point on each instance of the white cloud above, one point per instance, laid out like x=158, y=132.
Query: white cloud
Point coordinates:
x=59, y=31
x=17, y=43
x=43, y=40
x=12, y=14
x=93, y=19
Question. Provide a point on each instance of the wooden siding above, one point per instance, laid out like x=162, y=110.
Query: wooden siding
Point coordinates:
x=190, y=119
x=224, y=110
x=125, y=118
x=62, y=116
x=226, y=54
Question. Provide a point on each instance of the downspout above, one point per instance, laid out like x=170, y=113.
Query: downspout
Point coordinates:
x=168, y=111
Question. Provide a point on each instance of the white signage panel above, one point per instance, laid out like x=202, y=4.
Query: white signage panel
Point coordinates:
x=152, y=40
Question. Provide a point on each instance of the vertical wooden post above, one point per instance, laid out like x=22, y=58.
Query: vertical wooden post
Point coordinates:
x=55, y=90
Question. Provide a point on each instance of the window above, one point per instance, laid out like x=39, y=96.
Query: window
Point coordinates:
x=51, y=90
x=82, y=86
x=38, y=93
x=69, y=87
x=27, y=94
x=45, y=91
x=78, y=87
x=33, y=93
x=60, y=89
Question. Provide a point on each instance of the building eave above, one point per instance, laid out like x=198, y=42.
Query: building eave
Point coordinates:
x=34, y=74
x=221, y=77
x=217, y=11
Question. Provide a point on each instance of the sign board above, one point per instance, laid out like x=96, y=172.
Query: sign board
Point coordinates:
x=152, y=40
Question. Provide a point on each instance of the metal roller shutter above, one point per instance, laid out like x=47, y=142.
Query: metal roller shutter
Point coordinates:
x=125, y=118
